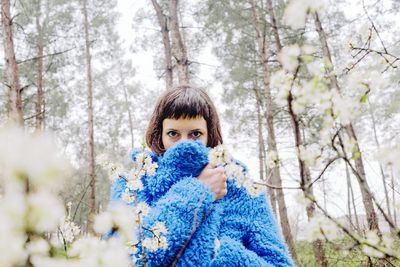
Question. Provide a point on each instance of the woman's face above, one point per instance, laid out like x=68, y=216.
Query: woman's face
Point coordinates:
x=184, y=129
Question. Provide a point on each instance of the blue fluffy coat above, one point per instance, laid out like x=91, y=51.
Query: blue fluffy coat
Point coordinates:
x=244, y=225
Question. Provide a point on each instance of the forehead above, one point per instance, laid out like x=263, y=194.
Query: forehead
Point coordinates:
x=185, y=123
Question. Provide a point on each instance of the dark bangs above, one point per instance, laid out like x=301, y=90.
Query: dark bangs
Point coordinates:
x=187, y=103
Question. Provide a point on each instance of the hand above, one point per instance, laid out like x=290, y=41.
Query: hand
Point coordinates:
x=215, y=179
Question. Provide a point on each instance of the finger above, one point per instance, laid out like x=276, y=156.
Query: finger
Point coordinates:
x=220, y=169
x=209, y=166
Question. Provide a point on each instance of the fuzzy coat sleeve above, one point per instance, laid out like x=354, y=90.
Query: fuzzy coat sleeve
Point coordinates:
x=260, y=242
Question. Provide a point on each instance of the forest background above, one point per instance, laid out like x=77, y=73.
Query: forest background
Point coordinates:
x=308, y=94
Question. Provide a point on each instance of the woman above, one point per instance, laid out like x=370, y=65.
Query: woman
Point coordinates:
x=210, y=221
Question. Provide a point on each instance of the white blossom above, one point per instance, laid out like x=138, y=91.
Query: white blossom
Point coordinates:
x=103, y=222
x=143, y=208
x=296, y=12
x=155, y=243
x=94, y=252
x=289, y=57
x=159, y=229
x=370, y=251
x=345, y=108
x=320, y=227
x=37, y=156
x=135, y=185
x=389, y=155
x=218, y=156
x=309, y=154
x=45, y=211
x=38, y=247
x=272, y=159
x=67, y=231
x=123, y=217
x=12, y=244
x=281, y=81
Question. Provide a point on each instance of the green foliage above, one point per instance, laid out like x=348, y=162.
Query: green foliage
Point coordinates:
x=335, y=256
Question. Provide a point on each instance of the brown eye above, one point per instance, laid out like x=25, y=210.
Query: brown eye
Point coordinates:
x=172, y=134
x=196, y=134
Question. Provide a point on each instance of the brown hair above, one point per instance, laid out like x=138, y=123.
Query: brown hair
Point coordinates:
x=183, y=101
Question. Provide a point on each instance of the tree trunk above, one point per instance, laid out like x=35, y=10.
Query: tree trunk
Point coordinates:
x=393, y=198
x=351, y=202
x=305, y=181
x=274, y=25
x=359, y=165
x=11, y=64
x=92, y=174
x=271, y=140
x=163, y=22
x=128, y=108
x=261, y=153
x=39, y=79
x=380, y=165
x=178, y=45
x=264, y=172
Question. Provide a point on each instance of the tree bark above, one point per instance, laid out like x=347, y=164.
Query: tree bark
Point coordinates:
x=351, y=201
x=305, y=180
x=178, y=46
x=163, y=22
x=11, y=65
x=39, y=79
x=271, y=140
x=264, y=172
x=393, y=198
x=127, y=106
x=92, y=174
x=274, y=25
x=359, y=165
x=261, y=153
x=380, y=165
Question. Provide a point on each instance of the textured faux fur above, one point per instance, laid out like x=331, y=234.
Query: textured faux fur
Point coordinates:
x=243, y=225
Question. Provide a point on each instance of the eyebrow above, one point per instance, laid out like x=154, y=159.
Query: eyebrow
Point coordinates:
x=173, y=129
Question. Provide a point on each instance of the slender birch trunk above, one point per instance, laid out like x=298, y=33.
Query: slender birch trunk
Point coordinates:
x=163, y=22
x=383, y=176
x=351, y=203
x=271, y=140
x=393, y=184
x=92, y=174
x=261, y=153
x=11, y=65
x=128, y=108
x=359, y=165
x=178, y=46
x=39, y=73
x=264, y=172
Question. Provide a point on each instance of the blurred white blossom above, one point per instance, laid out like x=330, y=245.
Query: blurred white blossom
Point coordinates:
x=94, y=252
x=309, y=154
x=22, y=154
x=45, y=211
x=389, y=155
x=281, y=81
x=295, y=14
x=345, y=108
x=320, y=227
x=289, y=57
